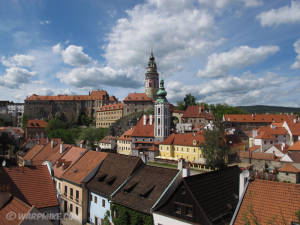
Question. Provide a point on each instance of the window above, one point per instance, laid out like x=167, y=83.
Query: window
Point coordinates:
x=77, y=194
x=71, y=193
x=271, y=142
x=265, y=142
x=66, y=190
x=76, y=210
x=189, y=211
x=95, y=199
x=71, y=207
x=158, y=111
x=103, y=203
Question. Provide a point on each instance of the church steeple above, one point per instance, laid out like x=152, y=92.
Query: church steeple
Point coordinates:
x=151, y=78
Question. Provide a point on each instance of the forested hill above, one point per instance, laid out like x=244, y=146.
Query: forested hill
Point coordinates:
x=269, y=109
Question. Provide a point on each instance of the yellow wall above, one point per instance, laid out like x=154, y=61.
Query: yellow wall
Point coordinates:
x=105, y=118
x=124, y=147
x=166, y=151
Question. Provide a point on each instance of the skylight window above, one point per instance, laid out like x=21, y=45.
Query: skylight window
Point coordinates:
x=147, y=192
x=102, y=177
x=130, y=188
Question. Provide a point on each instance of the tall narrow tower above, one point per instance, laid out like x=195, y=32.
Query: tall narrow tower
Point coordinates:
x=152, y=78
x=162, y=116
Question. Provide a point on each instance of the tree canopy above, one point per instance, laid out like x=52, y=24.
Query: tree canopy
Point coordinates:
x=188, y=100
x=220, y=109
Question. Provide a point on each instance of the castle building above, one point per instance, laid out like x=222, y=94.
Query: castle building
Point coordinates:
x=109, y=114
x=162, y=114
x=152, y=78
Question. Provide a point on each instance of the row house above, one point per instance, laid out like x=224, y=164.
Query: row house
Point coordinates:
x=197, y=116
x=112, y=174
x=36, y=129
x=108, y=115
x=74, y=196
x=124, y=143
x=183, y=146
x=108, y=142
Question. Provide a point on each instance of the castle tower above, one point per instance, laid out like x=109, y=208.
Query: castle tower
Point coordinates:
x=151, y=78
x=162, y=115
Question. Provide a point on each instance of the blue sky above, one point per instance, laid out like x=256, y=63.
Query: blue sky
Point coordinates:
x=239, y=52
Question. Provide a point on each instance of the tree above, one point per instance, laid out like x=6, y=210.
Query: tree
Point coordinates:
x=188, y=100
x=92, y=135
x=215, y=149
x=54, y=124
x=220, y=109
x=24, y=121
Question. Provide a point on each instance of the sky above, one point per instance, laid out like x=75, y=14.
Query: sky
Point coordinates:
x=238, y=52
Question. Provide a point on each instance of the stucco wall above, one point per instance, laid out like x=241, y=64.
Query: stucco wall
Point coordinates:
x=96, y=208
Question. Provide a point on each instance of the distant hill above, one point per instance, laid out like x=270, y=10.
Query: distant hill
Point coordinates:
x=269, y=109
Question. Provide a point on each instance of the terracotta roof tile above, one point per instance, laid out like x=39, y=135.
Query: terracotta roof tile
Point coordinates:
x=270, y=201
x=107, y=139
x=185, y=139
x=257, y=155
x=295, y=156
x=141, y=130
x=295, y=147
x=254, y=148
x=196, y=111
x=33, y=185
x=83, y=167
x=289, y=168
x=126, y=136
x=141, y=97
x=14, y=205
x=113, y=99
x=67, y=160
x=258, y=118
x=36, y=124
x=33, y=151
x=117, y=106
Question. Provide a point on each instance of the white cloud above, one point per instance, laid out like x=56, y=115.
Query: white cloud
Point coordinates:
x=18, y=60
x=220, y=64
x=74, y=55
x=57, y=49
x=45, y=22
x=296, y=64
x=235, y=90
x=284, y=15
x=14, y=77
x=174, y=30
x=94, y=77
x=219, y=4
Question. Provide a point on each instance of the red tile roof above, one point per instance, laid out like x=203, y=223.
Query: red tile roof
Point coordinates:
x=117, y=106
x=254, y=148
x=16, y=130
x=95, y=95
x=126, y=136
x=67, y=160
x=289, y=168
x=34, y=184
x=141, y=130
x=269, y=201
x=83, y=167
x=186, y=139
x=107, y=139
x=257, y=155
x=295, y=147
x=36, y=124
x=33, y=151
x=113, y=99
x=16, y=206
x=142, y=97
x=258, y=118
x=196, y=111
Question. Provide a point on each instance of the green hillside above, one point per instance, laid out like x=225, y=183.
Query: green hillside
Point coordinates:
x=269, y=109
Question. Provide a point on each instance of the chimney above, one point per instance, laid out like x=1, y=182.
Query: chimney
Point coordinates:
x=62, y=148
x=243, y=180
x=295, y=121
x=150, y=120
x=282, y=146
x=186, y=172
x=145, y=119
x=47, y=140
x=52, y=143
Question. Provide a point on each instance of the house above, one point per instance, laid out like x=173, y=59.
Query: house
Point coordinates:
x=185, y=146
x=208, y=198
x=196, y=115
x=135, y=200
x=124, y=143
x=108, y=142
x=295, y=147
x=112, y=174
x=109, y=114
x=143, y=138
x=32, y=185
x=266, y=202
x=63, y=164
x=75, y=193
x=289, y=173
x=36, y=129
x=19, y=213
x=137, y=102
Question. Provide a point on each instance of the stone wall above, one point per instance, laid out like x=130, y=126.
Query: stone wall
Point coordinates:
x=133, y=107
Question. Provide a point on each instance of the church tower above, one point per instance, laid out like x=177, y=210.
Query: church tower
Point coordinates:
x=162, y=117
x=151, y=79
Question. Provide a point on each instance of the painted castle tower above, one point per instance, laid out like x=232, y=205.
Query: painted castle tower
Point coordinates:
x=161, y=114
x=151, y=79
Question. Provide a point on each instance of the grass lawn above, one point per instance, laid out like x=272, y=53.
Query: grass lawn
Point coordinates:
x=159, y=164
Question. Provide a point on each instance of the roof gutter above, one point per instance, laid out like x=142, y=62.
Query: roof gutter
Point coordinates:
x=166, y=190
x=240, y=203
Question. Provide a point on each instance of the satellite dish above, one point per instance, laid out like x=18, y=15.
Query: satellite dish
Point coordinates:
x=3, y=163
